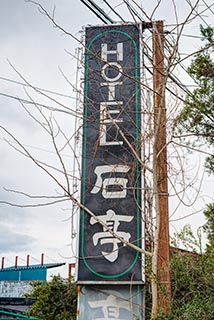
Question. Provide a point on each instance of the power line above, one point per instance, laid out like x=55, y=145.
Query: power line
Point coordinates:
x=38, y=88
x=132, y=9
x=106, y=2
x=149, y=57
x=198, y=14
x=38, y=148
x=97, y=11
x=87, y=5
x=67, y=110
x=188, y=35
x=171, y=76
x=101, y=11
x=208, y=7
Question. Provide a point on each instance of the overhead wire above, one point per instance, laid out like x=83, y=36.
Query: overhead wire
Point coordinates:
x=132, y=9
x=97, y=11
x=107, y=3
x=149, y=57
x=101, y=11
x=39, y=148
x=94, y=11
x=106, y=19
x=38, y=88
x=67, y=111
x=200, y=13
x=172, y=77
x=188, y=35
x=209, y=7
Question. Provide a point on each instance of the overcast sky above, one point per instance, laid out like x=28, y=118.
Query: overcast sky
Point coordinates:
x=32, y=47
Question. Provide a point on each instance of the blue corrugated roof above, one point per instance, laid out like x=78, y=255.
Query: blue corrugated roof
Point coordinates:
x=35, y=266
x=27, y=273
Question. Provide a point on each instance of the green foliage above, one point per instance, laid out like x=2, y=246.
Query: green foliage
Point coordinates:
x=185, y=239
x=208, y=34
x=192, y=281
x=197, y=117
x=191, y=277
x=55, y=299
x=209, y=226
x=193, y=287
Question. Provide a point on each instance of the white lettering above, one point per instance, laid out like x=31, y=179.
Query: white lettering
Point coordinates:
x=110, y=306
x=112, y=221
x=114, y=66
x=105, y=52
x=114, y=182
x=111, y=89
x=105, y=114
x=105, y=118
x=111, y=73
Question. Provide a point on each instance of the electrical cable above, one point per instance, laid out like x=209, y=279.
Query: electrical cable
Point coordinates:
x=38, y=104
x=97, y=11
x=38, y=88
x=188, y=35
x=106, y=2
x=209, y=7
x=150, y=58
x=132, y=9
x=87, y=5
x=39, y=149
x=171, y=76
x=101, y=11
x=198, y=14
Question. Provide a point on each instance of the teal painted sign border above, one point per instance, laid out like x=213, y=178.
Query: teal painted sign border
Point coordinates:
x=138, y=242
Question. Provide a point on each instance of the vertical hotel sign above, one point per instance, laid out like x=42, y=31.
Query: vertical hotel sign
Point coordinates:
x=111, y=180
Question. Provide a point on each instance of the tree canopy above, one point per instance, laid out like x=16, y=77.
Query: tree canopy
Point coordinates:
x=193, y=276
x=192, y=281
x=55, y=299
x=197, y=117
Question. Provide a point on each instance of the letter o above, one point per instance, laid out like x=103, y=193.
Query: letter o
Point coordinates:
x=115, y=65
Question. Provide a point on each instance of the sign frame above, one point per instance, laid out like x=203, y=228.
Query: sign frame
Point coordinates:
x=91, y=126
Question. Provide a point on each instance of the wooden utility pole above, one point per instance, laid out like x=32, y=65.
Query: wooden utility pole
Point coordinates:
x=160, y=153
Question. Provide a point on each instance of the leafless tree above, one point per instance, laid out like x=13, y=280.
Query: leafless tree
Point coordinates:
x=172, y=94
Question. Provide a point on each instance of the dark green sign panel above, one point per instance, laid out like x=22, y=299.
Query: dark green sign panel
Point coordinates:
x=111, y=178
